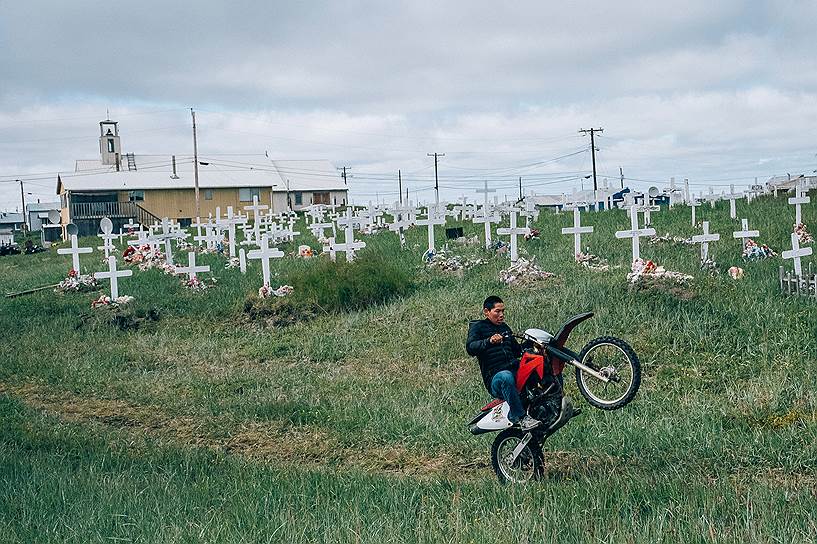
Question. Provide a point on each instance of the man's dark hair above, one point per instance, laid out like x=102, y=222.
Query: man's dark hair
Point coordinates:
x=490, y=302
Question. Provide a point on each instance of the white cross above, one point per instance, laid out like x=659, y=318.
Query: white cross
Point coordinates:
x=75, y=252
x=577, y=230
x=686, y=191
x=798, y=199
x=486, y=220
x=231, y=222
x=732, y=196
x=401, y=219
x=485, y=191
x=431, y=220
x=514, y=231
x=265, y=253
x=256, y=209
x=242, y=260
x=319, y=228
x=635, y=233
x=704, y=240
x=795, y=253
x=114, y=276
x=693, y=203
x=107, y=243
x=745, y=234
x=712, y=198
x=349, y=246
x=191, y=269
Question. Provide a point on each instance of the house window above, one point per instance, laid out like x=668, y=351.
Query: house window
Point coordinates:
x=320, y=198
x=208, y=194
x=136, y=196
x=246, y=194
x=110, y=145
x=299, y=199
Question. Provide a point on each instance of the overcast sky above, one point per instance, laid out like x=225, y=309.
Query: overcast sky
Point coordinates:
x=715, y=91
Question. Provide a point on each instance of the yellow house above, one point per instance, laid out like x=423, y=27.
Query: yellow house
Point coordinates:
x=146, y=188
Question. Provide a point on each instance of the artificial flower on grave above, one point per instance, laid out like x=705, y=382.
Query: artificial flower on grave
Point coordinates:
x=523, y=272
x=534, y=233
x=76, y=282
x=196, y=284
x=736, y=273
x=645, y=270
x=305, y=252
x=755, y=252
x=802, y=233
x=592, y=262
x=266, y=291
x=468, y=241
x=709, y=265
x=105, y=300
x=234, y=262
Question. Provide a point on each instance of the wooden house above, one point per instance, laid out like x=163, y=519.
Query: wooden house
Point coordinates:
x=147, y=188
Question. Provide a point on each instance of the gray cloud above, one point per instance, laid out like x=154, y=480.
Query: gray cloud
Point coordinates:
x=705, y=90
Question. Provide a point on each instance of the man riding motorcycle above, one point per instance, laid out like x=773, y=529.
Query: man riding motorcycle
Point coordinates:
x=491, y=341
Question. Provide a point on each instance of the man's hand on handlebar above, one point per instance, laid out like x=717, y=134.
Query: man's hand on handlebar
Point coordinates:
x=496, y=339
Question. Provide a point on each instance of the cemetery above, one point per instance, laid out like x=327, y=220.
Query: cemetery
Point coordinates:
x=295, y=358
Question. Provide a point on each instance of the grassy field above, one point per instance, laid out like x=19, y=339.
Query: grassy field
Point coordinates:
x=202, y=426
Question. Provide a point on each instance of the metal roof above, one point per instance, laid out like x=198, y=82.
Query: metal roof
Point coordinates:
x=11, y=217
x=155, y=172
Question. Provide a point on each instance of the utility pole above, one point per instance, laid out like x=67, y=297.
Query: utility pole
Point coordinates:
x=436, y=177
x=520, y=189
x=23, y=198
x=621, y=171
x=400, y=186
x=592, y=132
x=343, y=174
x=196, y=165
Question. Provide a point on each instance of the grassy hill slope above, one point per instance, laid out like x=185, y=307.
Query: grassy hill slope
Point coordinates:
x=203, y=426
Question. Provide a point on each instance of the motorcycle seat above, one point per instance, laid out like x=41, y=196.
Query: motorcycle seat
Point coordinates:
x=492, y=404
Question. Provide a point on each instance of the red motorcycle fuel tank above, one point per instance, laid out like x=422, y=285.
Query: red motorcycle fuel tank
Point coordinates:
x=530, y=363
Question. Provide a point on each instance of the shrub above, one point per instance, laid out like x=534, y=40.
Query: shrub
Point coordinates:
x=337, y=286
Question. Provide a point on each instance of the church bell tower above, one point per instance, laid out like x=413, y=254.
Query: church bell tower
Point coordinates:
x=109, y=147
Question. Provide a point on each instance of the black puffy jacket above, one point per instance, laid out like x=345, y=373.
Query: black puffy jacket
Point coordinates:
x=492, y=357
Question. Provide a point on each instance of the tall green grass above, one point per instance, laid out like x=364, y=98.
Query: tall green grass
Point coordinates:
x=718, y=446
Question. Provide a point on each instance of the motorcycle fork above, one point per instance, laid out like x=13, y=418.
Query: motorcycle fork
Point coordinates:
x=520, y=447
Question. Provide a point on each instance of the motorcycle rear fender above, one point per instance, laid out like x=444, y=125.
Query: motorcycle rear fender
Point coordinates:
x=492, y=420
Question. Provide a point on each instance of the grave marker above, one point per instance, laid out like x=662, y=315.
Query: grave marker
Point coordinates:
x=191, y=269
x=113, y=274
x=795, y=253
x=635, y=233
x=704, y=240
x=745, y=234
x=577, y=230
x=514, y=231
x=265, y=253
x=75, y=251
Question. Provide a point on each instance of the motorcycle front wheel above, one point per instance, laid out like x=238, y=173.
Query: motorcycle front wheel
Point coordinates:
x=615, y=359
x=527, y=466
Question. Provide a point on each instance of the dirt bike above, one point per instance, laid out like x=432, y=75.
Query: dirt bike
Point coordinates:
x=608, y=375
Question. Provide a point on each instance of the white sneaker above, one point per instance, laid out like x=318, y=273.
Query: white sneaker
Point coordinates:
x=527, y=423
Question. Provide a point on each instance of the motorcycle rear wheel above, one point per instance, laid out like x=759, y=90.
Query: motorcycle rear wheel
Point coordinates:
x=613, y=357
x=527, y=467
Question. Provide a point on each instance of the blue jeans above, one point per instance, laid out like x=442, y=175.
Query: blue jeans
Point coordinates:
x=503, y=386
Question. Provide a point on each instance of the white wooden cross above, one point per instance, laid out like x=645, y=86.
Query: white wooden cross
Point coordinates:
x=431, y=219
x=733, y=196
x=795, y=253
x=75, y=252
x=265, y=253
x=686, y=191
x=106, y=226
x=318, y=229
x=704, y=240
x=256, y=211
x=485, y=191
x=349, y=246
x=745, y=234
x=486, y=220
x=231, y=221
x=113, y=274
x=514, y=231
x=712, y=198
x=242, y=260
x=577, y=230
x=401, y=219
x=191, y=269
x=798, y=199
x=693, y=203
x=635, y=233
